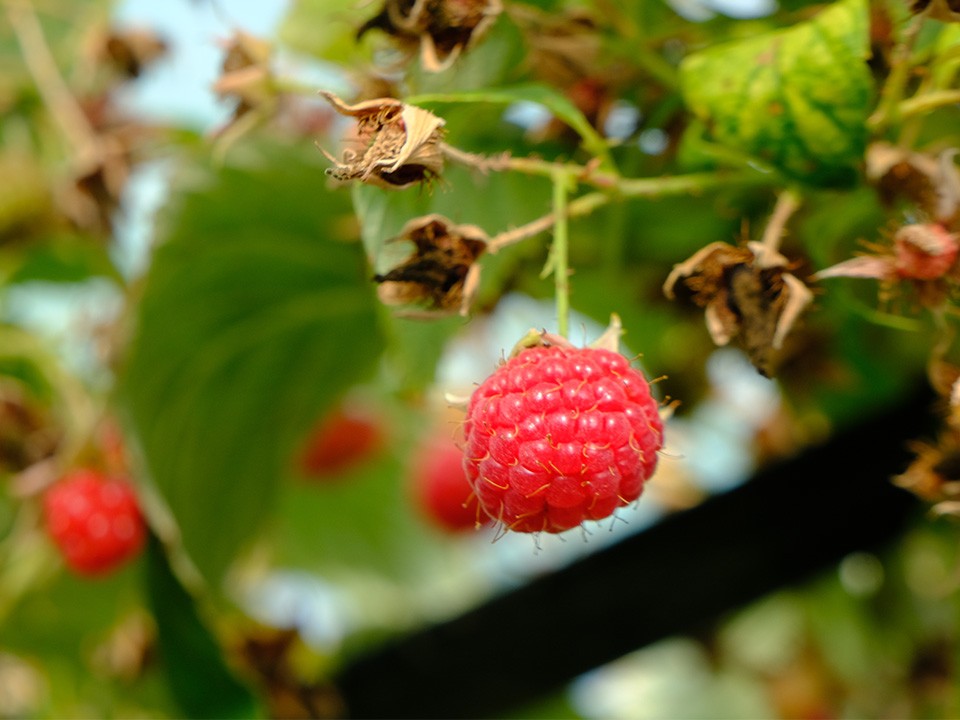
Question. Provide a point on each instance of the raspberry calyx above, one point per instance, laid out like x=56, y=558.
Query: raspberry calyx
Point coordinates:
x=558, y=435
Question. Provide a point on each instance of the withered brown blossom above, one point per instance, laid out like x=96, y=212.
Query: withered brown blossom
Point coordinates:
x=442, y=273
x=246, y=75
x=128, y=51
x=945, y=10
x=930, y=183
x=441, y=29
x=924, y=254
x=747, y=292
x=396, y=145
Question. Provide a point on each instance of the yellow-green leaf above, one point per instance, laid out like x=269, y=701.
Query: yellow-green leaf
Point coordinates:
x=796, y=98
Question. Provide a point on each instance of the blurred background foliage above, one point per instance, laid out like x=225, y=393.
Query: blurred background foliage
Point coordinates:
x=175, y=263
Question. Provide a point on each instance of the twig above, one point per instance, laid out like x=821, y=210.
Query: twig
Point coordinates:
x=922, y=104
x=896, y=83
x=50, y=83
x=583, y=205
x=623, y=189
x=587, y=174
x=558, y=263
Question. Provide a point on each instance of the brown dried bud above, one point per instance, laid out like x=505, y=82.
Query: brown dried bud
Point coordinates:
x=131, y=51
x=442, y=272
x=28, y=432
x=396, y=145
x=746, y=292
x=442, y=29
x=246, y=73
x=945, y=10
x=934, y=474
x=931, y=183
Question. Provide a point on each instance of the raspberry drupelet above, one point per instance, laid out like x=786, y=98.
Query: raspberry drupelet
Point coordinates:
x=558, y=435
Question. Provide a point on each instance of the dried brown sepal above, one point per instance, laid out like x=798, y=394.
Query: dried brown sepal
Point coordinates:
x=124, y=52
x=101, y=170
x=28, y=431
x=746, y=292
x=945, y=10
x=934, y=474
x=931, y=183
x=441, y=29
x=442, y=273
x=246, y=75
x=395, y=145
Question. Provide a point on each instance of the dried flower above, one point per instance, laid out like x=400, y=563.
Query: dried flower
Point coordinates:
x=441, y=272
x=246, y=74
x=931, y=183
x=127, y=51
x=442, y=29
x=945, y=10
x=396, y=145
x=925, y=254
x=747, y=292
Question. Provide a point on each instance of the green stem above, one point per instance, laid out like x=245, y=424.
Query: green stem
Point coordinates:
x=559, y=251
x=692, y=184
x=923, y=104
x=888, y=108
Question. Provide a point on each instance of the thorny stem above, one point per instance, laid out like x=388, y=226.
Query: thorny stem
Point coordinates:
x=623, y=189
x=50, y=83
x=559, y=252
x=929, y=101
x=583, y=205
x=530, y=166
x=896, y=83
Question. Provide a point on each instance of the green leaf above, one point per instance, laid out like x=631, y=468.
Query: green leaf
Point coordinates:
x=64, y=259
x=198, y=677
x=254, y=318
x=796, y=98
x=326, y=29
x=556, y=102
x=494, y=202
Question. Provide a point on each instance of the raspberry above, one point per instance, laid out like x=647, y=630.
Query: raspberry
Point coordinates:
x=558, y=435
x=440, y=489
x=94, y=520
x=340, y=442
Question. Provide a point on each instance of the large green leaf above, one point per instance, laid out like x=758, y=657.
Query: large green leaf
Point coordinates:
x=193, y=663
x=495, y=202
x=797, y=98
x=255, y=316
x=326, y=29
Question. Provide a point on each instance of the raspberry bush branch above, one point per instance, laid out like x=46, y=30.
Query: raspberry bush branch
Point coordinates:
x=558, y=261
x=891, y=95
x=52, y=87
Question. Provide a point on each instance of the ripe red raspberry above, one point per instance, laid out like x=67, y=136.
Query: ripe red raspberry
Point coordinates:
x=440, y=489
x=94, y=520
x=558, y=435
x=340, y=442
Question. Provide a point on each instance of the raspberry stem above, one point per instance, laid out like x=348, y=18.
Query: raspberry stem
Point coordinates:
x=558, y=263
x=893, y=89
